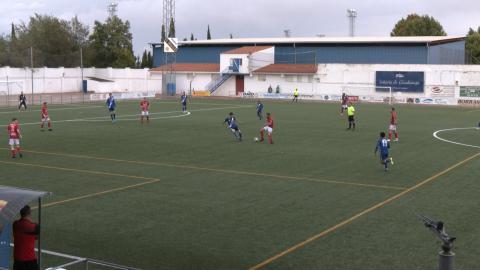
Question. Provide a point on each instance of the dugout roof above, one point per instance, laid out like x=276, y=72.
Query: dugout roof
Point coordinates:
x=13, y=199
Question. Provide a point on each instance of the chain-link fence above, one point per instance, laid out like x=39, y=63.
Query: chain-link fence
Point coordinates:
x=9, y=100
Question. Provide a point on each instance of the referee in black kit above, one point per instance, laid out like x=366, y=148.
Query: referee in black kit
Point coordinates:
x=23, y=101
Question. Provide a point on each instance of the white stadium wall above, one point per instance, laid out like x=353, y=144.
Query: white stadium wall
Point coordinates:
x=442, y=84
x=261, y=59
x=58, y=80
x=225, y=62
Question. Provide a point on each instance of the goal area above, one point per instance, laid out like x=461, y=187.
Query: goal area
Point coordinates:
x=9, y=90
x=371, y=93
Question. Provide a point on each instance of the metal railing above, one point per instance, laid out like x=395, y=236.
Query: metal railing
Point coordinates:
x=80, y=262
x=216, y=83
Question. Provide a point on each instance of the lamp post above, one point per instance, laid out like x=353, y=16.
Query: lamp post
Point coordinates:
x=352, y=15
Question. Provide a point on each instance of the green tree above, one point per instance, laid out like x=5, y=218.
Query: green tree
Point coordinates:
x=192, y=37
x=164, y=35
x=13, y=36
x=3, y=51
x=209, y=35
x=138, y=63
x=231, y=36
x=416, y=25
x=150, y=59
x=55, y=42
x=171, y=31
x=11, y=56
x=79, y=32
x=144, y=62
x=110, y=44
x=472, y=46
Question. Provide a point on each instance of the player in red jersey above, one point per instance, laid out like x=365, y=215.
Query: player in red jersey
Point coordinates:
x=268, y=128
x=144, y=105
x=15, y=136
x=45, y=117
x=344, y=103
x=393, y=125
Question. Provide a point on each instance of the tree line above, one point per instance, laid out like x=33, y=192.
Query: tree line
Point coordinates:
x=424, y=25
x=55, y=42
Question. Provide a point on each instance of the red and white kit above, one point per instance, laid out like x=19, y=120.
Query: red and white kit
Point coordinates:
x=144, y=105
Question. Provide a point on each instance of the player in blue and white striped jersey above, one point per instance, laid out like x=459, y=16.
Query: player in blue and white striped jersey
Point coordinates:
x=383, y=146
x=111, y=104
x=231, y=122
x=259, y=109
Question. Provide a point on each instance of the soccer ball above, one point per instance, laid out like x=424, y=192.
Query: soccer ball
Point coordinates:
x=255, y=139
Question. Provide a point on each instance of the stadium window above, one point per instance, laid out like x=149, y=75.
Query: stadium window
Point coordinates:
x=262, y=78
x=238, y=60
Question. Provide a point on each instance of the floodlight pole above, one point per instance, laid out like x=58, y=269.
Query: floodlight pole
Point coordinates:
x=31, y=69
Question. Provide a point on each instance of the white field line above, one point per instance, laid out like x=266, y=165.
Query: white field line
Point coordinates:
x=136, y=119
x=53, y=109
x=435, y=134
x=81, y=106
x=120, y=118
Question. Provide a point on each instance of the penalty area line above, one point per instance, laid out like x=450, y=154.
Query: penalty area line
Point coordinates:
x=100, y=193
x=95, y=194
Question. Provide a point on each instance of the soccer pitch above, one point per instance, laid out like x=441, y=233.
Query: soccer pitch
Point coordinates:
x=181, y=193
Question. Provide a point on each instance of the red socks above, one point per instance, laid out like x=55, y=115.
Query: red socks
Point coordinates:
x=390, y=135
x=262, y=133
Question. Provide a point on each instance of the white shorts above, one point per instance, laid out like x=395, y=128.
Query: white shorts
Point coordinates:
x=145, y=113
x=344, y=106
x=14, y=142
x=268, y=129
x=46, y=119
x=392, y=128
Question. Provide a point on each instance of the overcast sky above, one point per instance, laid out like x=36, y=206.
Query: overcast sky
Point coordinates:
x=251, y=18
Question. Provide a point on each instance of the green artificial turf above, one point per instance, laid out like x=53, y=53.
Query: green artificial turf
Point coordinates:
x=206, y=201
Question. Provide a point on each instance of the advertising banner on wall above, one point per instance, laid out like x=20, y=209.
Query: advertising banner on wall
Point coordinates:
x=400, y=81
x=442, y=91
x=470, y=102
x=470, y=91
x=433, y=101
